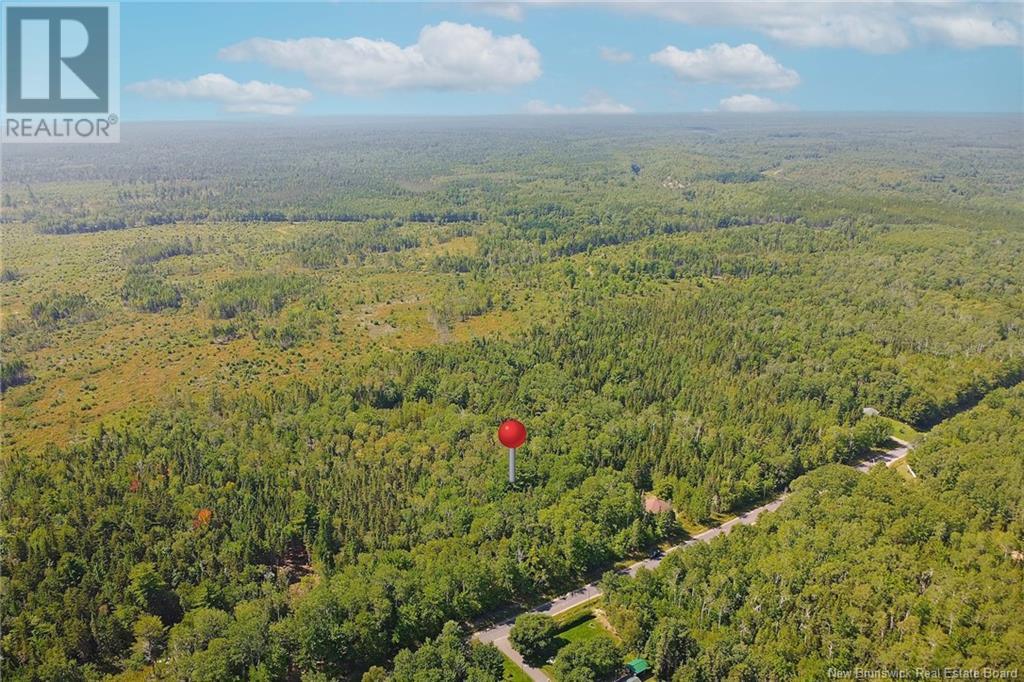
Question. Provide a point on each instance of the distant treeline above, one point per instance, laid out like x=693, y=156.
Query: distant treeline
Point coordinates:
x=86, y=225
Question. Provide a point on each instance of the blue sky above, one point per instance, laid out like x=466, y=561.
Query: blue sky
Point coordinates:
x=234, y=60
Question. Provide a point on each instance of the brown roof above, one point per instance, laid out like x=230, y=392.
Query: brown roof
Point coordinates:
x=656, y=506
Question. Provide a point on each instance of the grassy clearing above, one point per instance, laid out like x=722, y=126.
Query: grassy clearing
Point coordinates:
x=584, y=629
x=902, y=431
x=580, y=624
x=902, y=467
x=690, y=526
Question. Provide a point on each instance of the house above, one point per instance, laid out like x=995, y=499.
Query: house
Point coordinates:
x=638, y=667
x=654, y=505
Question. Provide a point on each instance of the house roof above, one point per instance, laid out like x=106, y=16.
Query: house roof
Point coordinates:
x=654, y=505
x=638, y=665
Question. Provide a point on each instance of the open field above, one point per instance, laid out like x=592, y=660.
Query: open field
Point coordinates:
x=102, y=365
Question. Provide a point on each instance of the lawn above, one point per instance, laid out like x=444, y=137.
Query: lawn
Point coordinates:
x=513, y=673
x=575, y=614
x=902, y=431
x=584, y=628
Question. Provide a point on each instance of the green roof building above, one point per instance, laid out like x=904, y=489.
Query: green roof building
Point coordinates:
x=638, y=665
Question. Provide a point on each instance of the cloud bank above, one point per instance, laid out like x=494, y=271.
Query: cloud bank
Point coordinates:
x=594, y=102
x=864, y=26
x=509, y=11
x=967, y=31
x=447, y=56
x=615, y=56
x=254, y=97
x=875, y=27
x=752, y=104
x=744, y=65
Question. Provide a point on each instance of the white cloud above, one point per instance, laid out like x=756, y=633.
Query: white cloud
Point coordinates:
x=254, y=97
x=804, y=24
x=594, y=102
x=743, y=65
x=877, y=27
x=616, y=56
x=447, y=56
x=751, y=104
x=968, y=31
x=510, y=11
x=882, y=26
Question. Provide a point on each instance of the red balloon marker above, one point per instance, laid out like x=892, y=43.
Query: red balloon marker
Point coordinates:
x=512, y=434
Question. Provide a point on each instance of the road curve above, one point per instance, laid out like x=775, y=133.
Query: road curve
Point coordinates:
x=498, y=634
x=888, y=457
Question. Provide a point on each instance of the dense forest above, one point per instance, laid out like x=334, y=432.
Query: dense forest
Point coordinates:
x=251, y=397
x=854, y=571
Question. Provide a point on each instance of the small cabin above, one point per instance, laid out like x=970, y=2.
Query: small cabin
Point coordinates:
x=637, y=667
x=655, y=505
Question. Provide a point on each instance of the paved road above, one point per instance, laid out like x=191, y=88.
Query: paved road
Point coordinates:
x=498, y=634
x=889, y=457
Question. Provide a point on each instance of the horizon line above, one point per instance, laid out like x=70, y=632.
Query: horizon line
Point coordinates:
x=591, y=116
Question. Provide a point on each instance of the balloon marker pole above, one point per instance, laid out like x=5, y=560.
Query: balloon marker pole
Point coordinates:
x=512, y=434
